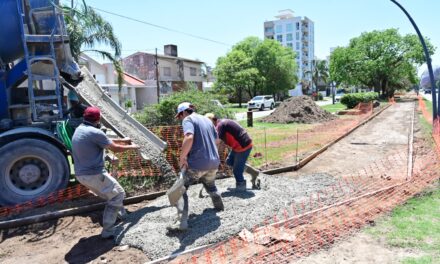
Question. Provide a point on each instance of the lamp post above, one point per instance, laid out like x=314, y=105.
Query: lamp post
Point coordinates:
x=435, y=108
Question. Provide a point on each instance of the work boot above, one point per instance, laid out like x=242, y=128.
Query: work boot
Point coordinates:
x=178, y=225
x=181, y=223
x=108, y=232
x=217, y=201
x=122, y=214
x=240, y=186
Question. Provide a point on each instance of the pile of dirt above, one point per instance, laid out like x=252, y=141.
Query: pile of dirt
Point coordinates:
x=299, y=109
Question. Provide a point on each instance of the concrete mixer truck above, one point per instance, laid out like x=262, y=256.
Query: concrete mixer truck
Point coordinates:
x=35, y=59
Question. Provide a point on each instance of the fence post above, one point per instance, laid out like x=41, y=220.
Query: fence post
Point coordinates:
x=250, y=119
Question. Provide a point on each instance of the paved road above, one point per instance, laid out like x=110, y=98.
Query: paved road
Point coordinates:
x=256, y=114
x=427, y=96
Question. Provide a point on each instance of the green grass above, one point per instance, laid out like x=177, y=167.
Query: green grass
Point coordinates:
x=262, y=133
x=414, y=225
x=332, y=108
x=428, y=105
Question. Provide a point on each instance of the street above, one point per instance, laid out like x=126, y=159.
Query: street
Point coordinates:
x=255, y=114
x=258, y=114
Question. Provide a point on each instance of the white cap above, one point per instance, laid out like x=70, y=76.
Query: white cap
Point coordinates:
x=182, y=107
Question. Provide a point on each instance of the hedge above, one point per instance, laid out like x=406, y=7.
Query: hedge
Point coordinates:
x=353, y=99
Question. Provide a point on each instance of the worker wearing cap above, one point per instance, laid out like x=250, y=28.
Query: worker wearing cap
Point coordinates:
x=76, y=109
x=199, y=157
x=236, y=137
x=88, y=144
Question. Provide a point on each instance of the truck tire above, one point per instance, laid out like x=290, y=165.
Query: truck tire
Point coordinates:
x=30, y=168
x=261, y=107
x=271, y=106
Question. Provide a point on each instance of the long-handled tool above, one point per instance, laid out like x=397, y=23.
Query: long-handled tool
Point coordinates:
x=178, y=189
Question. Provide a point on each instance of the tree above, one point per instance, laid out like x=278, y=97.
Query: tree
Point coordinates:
x=256, y=67
x=87, y=29
x=319, y=72
x=383, y=60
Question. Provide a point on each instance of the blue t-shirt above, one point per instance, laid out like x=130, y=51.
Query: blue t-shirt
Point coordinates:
x=88, y=145
x=203, y=154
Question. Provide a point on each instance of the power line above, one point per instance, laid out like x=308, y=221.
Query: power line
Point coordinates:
x=162, y=27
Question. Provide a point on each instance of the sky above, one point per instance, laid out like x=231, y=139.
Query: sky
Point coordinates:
x=226, y=22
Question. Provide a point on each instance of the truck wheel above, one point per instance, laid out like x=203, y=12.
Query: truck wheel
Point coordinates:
x=30, y=168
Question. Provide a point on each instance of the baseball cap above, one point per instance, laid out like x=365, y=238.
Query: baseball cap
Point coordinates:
x=92, y=114
x=182, y=107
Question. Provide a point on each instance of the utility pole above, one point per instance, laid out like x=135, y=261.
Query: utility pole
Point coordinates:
x=435, y=106
x=156, y=62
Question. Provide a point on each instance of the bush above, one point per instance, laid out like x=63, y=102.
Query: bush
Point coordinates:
x=353, y=99
x=162, y=114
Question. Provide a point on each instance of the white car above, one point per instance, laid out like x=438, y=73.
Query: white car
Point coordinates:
x=260, y=102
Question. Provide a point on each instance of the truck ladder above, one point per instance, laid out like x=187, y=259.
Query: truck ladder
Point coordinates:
x=40, y=49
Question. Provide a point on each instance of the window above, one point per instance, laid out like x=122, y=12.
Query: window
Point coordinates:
x=192, y=71
x=297, y=46
x=279, y=29
x=268, y=30
x=166, y=71
x=280, y=38
x=289, y=37
x=289, y=27
x=297, y=35
x=290, y=44
x=297, y=25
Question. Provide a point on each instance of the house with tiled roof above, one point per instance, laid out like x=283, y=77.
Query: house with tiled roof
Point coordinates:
x=134, y=91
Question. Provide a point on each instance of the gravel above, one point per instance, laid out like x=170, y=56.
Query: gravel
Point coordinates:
x=93, y=93
x=146, y=228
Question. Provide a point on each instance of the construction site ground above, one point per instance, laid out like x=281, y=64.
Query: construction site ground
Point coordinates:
x=76, y=239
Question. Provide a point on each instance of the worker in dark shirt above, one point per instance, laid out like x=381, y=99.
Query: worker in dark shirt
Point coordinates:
x=236, y=137
x=76, y=109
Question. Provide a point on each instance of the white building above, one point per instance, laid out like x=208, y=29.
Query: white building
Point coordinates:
x=133, y=90
x=296, y=33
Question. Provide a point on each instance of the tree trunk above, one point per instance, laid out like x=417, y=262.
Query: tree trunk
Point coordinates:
x=240, y=96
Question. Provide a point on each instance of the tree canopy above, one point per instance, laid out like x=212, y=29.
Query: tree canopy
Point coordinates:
x=383, y=60
x=87, y=29
x=256, y=67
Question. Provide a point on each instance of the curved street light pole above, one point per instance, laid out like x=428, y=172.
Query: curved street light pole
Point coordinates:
x=435, y=114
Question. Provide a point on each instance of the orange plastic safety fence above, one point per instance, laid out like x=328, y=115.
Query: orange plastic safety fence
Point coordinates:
x=314, y=223
x=60, y=196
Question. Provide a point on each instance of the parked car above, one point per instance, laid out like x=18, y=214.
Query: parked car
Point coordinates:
x=260, y=102
x=217, y=103
x=338, y=96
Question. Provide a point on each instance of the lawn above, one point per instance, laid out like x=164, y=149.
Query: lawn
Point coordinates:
x=268, y=141
x=414, y=225
x=428, y=105
x=332, y=108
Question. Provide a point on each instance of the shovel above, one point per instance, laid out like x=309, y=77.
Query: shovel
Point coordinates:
x=177, y=190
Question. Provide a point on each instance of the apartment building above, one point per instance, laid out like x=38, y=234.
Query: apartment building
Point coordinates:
x=174, y=73
x=296, y=33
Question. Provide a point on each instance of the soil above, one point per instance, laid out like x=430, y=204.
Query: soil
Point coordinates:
x=76, y=239
x=299, y=109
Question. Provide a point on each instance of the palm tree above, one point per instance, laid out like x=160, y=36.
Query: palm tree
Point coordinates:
x=319, y=72
x=87, y=29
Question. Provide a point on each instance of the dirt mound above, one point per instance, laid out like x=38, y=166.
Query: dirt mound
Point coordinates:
x=300, y=109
